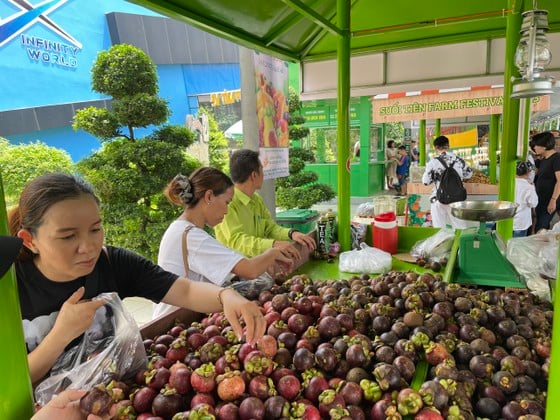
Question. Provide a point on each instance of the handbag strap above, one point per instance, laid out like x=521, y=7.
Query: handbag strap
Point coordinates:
x=185, y=249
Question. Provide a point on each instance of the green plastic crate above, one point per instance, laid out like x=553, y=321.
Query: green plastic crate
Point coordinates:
x=299, y=219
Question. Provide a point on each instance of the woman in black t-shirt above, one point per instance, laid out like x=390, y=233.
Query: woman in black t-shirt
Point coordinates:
x=62, y=266
x=547, y=180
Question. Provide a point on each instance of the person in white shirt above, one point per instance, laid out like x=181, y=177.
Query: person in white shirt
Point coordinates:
x=441, y=213
x=527, y=199
x=205, y=196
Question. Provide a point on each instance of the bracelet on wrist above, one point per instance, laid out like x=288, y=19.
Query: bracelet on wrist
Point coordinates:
x=291, y=233
x=219, y=297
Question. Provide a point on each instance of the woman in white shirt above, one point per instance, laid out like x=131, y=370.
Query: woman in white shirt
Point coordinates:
x=527, y=199
x=205, y=196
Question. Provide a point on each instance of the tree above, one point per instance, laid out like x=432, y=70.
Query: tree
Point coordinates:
x=300, y=189
x=129, y=178
x=23, y=162
x=129, y=76
x=217, y=143
x=128, y=173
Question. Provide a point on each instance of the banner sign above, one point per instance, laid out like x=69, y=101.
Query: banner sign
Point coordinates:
x=275, y=161
x=272, y=100
x=325, y=116
x=446, y=105
x=227, y=97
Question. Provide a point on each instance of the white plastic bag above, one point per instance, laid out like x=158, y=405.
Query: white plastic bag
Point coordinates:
x=251, y=289
x=435, y=247
x=111, y=348
x=535, y=257
x=365, y=260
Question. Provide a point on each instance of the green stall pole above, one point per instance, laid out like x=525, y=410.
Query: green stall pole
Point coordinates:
x=365, y=132
x=438, y=127
x=422, y=143
x=16, y=397
x=343, y=132
x=493, y=146
x=511, y=118
x=553, y=392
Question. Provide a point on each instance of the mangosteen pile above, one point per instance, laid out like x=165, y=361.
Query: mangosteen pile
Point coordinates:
x=399, y=345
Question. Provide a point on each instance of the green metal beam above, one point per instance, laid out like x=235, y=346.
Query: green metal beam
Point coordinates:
x=283, y=27
x=319, y=36
x=416, y=43
x=218, y=29
x=511, y=118
x=343, y=121
x=493, y=146
x=422, y=143
x=313, y=16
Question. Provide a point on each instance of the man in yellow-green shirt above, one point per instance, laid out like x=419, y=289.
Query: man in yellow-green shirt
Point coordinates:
x=248, y=226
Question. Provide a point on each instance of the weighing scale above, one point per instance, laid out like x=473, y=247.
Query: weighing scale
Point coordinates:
x=480, y=257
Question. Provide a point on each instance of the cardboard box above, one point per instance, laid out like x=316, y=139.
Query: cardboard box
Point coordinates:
x=164, y=323
x=473, y=188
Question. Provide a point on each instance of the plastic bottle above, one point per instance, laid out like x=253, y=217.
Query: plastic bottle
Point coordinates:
x=322, y=235
x=331, y=226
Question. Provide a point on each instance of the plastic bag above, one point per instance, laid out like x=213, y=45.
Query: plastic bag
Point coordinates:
x=111, y=348
x=436, y=247
x=251, y=289
x=365, y=210
x=365, y=260
x=535, y=258
x=358, y=232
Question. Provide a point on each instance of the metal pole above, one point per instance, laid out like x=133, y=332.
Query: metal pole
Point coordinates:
x=493, y=147
x=343, y=106
x=511, y=118
x=422, y=143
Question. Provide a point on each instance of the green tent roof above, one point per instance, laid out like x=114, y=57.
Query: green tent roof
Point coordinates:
x=304, y=30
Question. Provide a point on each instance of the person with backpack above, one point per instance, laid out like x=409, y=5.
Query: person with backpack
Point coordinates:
x=447, y=172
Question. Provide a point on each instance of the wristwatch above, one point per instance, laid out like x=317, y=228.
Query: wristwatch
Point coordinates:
x=291, y=233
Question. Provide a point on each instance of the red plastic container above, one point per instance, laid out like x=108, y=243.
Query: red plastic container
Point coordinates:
x=385, y=232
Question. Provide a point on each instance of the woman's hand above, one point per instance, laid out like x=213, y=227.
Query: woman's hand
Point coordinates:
x=74, y=318
x=76, y=315
x=236, y=307
x=551, y=208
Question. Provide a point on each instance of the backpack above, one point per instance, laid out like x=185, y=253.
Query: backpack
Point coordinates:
x=450, y=189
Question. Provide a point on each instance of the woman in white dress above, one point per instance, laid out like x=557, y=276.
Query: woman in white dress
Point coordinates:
x=205, y=196
x=391, y=159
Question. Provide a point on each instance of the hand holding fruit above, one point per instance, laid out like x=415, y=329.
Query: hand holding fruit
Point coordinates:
x=235, y=307
x=65, y=405
x=76, y=315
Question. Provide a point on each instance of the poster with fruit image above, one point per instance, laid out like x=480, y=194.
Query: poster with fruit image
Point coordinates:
x=272, y=100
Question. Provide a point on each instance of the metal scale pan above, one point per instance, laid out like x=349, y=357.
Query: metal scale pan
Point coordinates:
x=481, y=253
